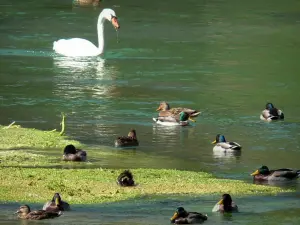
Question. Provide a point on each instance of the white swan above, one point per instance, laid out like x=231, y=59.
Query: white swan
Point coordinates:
x=82, y=47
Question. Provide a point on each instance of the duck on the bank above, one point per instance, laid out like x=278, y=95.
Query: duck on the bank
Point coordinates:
x=56, y=204
x=222, y=145
x=24, y=212
x=165, y=110
x=125, y=179
x=263, y=173
x=225, y=205
x=271, y=113
x=183, y=217
x=73, y=154
x=182, y=119
x=86, y=2
x=127, y=141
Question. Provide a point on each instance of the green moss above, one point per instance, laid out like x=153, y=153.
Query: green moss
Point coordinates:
x=99, y=185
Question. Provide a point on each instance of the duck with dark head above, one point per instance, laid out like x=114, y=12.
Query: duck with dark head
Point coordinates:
x=181, y=216
x=225, y=205
x=271, y=113
x=125, y=179
x=56, y=204
x=284, y=174
x=73, y=154
x=127, y=141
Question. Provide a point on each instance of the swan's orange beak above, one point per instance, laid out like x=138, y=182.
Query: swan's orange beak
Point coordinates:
x=115, y=23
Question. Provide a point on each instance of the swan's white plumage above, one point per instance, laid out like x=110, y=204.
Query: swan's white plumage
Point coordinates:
x=81, y=47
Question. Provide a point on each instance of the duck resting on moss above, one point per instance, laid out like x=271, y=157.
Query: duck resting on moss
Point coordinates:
x=165, y=110
x=263, y=174
x=222, y=145
x=73, y=154
x=127, y=141
x=271, y=113
x=181, y=216
x=182, y=119
x=56, y=204
x=24, y=212
x=125, y=179
x=225, y=205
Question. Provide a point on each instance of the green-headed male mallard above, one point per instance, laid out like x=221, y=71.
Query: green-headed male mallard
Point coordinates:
x=263, y=173
x=73, y=154
x=271, y=113
x=165, y=110
x=183, y=217
x=222, y=145
x=125, y=179
x=25, y=213
x=127, y=141
x=225, y=205
x=56, y=204
x=182, y=119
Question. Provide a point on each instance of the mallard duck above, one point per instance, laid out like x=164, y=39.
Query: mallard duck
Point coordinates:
x=165, y=110
x=73, y=154
x=86, y=2
x=271, y=113
x=225, y=205
x=56, y=204
x=125, y=179
x=127, y=141
x=222, y=145
x=263, y=173
x=182, y=119
x=183, y=217
x=25, y=213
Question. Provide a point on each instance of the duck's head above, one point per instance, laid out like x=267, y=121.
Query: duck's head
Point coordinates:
x=269, y=106
x=24, y=209
x=70, y=149
x=110, y=15
x=163, y=106
x=219, y=139
x=226, y=201
x=132, y=134
x=180, y=212
x=264, y=170
x=183, y=116
x=56, y=199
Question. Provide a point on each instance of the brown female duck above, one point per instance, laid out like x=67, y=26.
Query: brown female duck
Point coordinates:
x=73, y=154
x=165, y=110
x=225, y=205
x=127, y=141
x=24, y=212
x=183, y=217
x=56, y=204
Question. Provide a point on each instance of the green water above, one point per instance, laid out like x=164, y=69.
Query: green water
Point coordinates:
x=225, y=58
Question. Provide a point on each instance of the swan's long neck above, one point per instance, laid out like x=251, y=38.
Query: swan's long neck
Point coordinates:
x=100, y=29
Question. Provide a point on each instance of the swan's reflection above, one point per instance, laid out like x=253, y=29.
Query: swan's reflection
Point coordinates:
x=83, y=77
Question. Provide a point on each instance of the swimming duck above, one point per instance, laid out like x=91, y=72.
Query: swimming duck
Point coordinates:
x=225, y=205
x=165, y=110
x=56, y=204
x=182, y=119
x=25, y=213
x=271, y=113
x=263, y=173
x=73, y=154
x=183, y=217
x=222, y=145
x=86, y=2
x=125, y=179
x=126, y=141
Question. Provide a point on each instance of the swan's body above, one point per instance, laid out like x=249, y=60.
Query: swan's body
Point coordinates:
x=81, y=47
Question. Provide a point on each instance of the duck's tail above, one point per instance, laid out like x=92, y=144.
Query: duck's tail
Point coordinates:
x=125, y=178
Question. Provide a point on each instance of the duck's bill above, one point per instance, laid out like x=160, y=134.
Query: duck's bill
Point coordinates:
x=115, y=23
x=158, y=109
x=255, y=173
x=174, y=216
x=214, y=142
x=17, y=212
x=192, y=119
x=220, y=202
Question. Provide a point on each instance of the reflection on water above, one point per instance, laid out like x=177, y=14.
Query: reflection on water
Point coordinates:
x=223, y=155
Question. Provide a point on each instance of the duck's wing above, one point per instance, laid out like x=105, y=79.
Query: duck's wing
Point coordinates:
x=235, y=145
x=196, y=217
x=191, y=112
x=286, y=173
x=65, y=206
x=49, y=206
x=42, y=214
